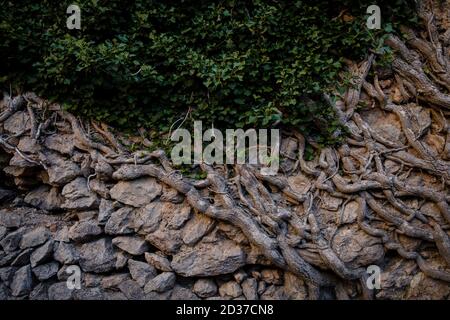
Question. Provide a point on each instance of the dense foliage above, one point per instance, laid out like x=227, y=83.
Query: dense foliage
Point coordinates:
x=148, y=63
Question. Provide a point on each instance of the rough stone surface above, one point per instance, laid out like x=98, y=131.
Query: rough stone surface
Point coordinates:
x=97, y=256
x=136, y=193
x=120, y=222
x=161, y=282
x=141, y=272
x=158, y=261
x=22, y=282
x=46, y=271
x=132, y=244
x=83, y=231
x=34, y=238
x=78, y=196
x=205, y=288
x=204, y=260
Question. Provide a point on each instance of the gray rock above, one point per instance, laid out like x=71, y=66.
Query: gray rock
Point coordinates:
x=98, y=256
x=78, y=196
x=141, y=272
x=182, y=293
x=60, y=171
x=240, y=276
x=99, y=187
x=23, y=258
x=136, y=193
x=274, y=293
x=89, y=294
x=18, y=122
x=166, y=240
x=206, y=259
x=295, y=287
x=121, y=259
x=91, y=280
x=4, y=292
x=250, y=289
x=34, y=238
x=180, y=215
x=6, y=195
x=83, y=231
x=132, y=244
x=46, y=271
x=7, y=273
x=3, y=231
x=148, y=218
x=22, y=282
x=63, y=143
x=120, y=222
x=66, y=253
x=8, y=257
x=42, y=254
x=230, y=289
x=158, y=261
x=106, y=208
x=161, y=283
x=205, y=288
x=44, y=197
x=12, y=241
x=40, y=292
x=60, y=291
x=9, y=219
x=197, y=228
x=113, y=281
x=132, y=290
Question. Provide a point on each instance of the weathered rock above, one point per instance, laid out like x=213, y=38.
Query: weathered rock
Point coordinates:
x=22, y=258
x=250, y=289
x=18, y=122
x=350, y=212
x=132, y=290
x=12, y=241
x=62, y=143
x=180, y=215
x=208, y=260
x=106, y=208
x=114, y=280
x=78, y=196
x=136, y=193
x=182, y=293
x=299, y=183
x=132, y=244
x=83, y=231
x=60, y=171
x=9, y=219
x=240, y=276
x=46, y=271
x=22, y=282
x=274, y=293
x=6, y=195
x=6, y=274
x=272, y=276
x=40, y=292
x=120, y=222
x=197, y=227
x=294, y=287
x=66, y=253
x=148, y=218
x=99, y=187
x=141, y=272
x=161, y=283
x=34, y=238
x=121, y=259
x=158, y=261
x=3, y=232
x=45, y=197
x=205, y=288
x=355, y=247
x=60, y=291
x=8, y=257
x=166, y=240
x=89, y=294
x=230, y=289
x=98, y=256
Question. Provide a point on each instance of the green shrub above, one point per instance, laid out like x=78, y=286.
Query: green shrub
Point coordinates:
x=233, y=63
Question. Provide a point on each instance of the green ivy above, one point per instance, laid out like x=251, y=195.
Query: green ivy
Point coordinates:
x=230, y=63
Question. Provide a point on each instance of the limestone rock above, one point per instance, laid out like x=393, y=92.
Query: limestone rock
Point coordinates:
x=136, y=193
